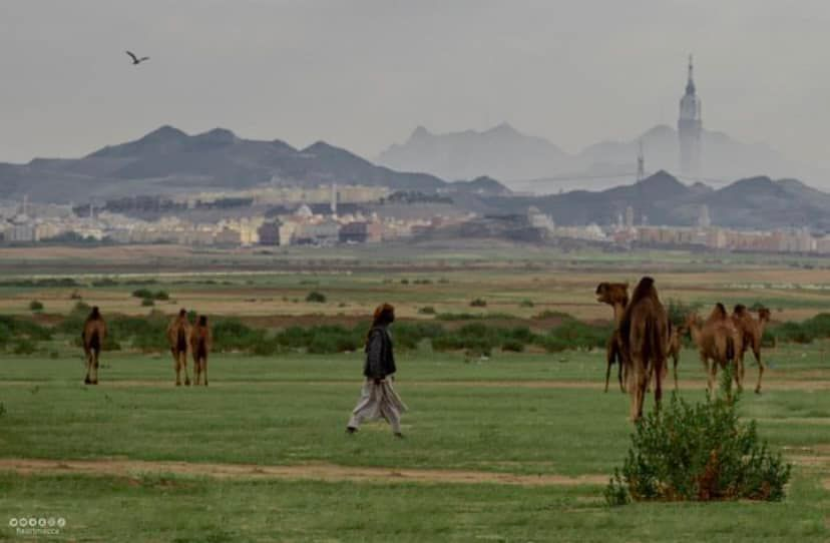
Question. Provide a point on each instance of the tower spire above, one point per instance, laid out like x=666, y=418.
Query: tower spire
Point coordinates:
x=690, y=81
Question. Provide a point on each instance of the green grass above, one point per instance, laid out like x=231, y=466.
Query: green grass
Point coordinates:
x=153, y=508
x=293, y=410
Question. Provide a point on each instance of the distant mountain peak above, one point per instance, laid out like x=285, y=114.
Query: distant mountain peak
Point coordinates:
x=319, y=146
x=503, y=129
x=164, y=133
x=420, y=132
x=216, y=136
x=501, y=152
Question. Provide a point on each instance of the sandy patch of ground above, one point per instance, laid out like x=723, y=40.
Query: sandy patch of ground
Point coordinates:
x=321, y=472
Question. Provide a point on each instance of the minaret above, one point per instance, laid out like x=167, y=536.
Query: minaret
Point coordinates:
x=334, y=199
x=689, y=127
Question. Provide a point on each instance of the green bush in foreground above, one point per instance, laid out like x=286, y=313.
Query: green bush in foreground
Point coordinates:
x=698, y=452
x=316, y=297
x=36, y=306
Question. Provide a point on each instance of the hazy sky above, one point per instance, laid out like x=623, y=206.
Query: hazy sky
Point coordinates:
x=363, y=74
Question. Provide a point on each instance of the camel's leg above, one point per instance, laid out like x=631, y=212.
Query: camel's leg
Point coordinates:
x=607, y=373
x=658, y=383
x=642, y=384
x=620, y=371
x=739, y=373
x=638, y=380
x=610, y=356
x=177, y=364
x=632, y=392
x=204, y=369
x=88, y=378
x=183, y=357
x=197, y=372
x=625, y=370
x=676, y=359
x=95, y=367
x=757, y=352
x=713, y=375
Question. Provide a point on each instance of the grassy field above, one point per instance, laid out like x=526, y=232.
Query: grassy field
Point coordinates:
x=791, y=294
x=516, y=448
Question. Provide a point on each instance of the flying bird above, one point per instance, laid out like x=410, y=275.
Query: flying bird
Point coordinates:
x=136, y=60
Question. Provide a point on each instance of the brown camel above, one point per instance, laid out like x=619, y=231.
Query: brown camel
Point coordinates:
x=644, y=330
x=752, y=331
x=719, y=343
x=178, y=332
x=201, y=342
x=615, y=295
x=93, y=336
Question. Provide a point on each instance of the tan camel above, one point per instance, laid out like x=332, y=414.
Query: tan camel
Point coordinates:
x=178, y=333
x=201, y=342
x=752, y=331
x=615, y=295
x=644, y=330
x=93, y=336
x=719, y=343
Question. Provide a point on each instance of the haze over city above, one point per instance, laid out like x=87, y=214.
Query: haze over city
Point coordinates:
x=364, y=75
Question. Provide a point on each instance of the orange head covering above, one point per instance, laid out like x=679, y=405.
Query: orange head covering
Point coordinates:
x=384, y=314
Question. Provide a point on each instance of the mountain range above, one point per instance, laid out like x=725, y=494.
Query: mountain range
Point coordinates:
x=169, y=161
x=754, y=203
x=532, y=164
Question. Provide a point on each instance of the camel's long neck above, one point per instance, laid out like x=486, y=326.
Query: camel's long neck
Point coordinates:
x=762, y=325
x=619, y=311
x=694, y=331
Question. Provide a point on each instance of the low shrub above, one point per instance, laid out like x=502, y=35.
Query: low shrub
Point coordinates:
x=19, y=327
x=233, y=335
x=316, y=297
x=147, y=294
x=24, y=346
x=478, y=302
x=579, y=335
x=700, y=452
x=36, y=306
x=817, y=327
x=513, y=345
x=548, y=314
x=408, y=335
x=427, y=310
x=81, y=309
x=143, y=293
x=526, y=303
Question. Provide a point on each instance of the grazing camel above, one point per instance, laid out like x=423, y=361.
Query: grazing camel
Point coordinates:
x=201, y=342
x=752, y=331
x=644, y=330
x=178, y=332
x=615, y=295
x=93, y=336
x=719, y=343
